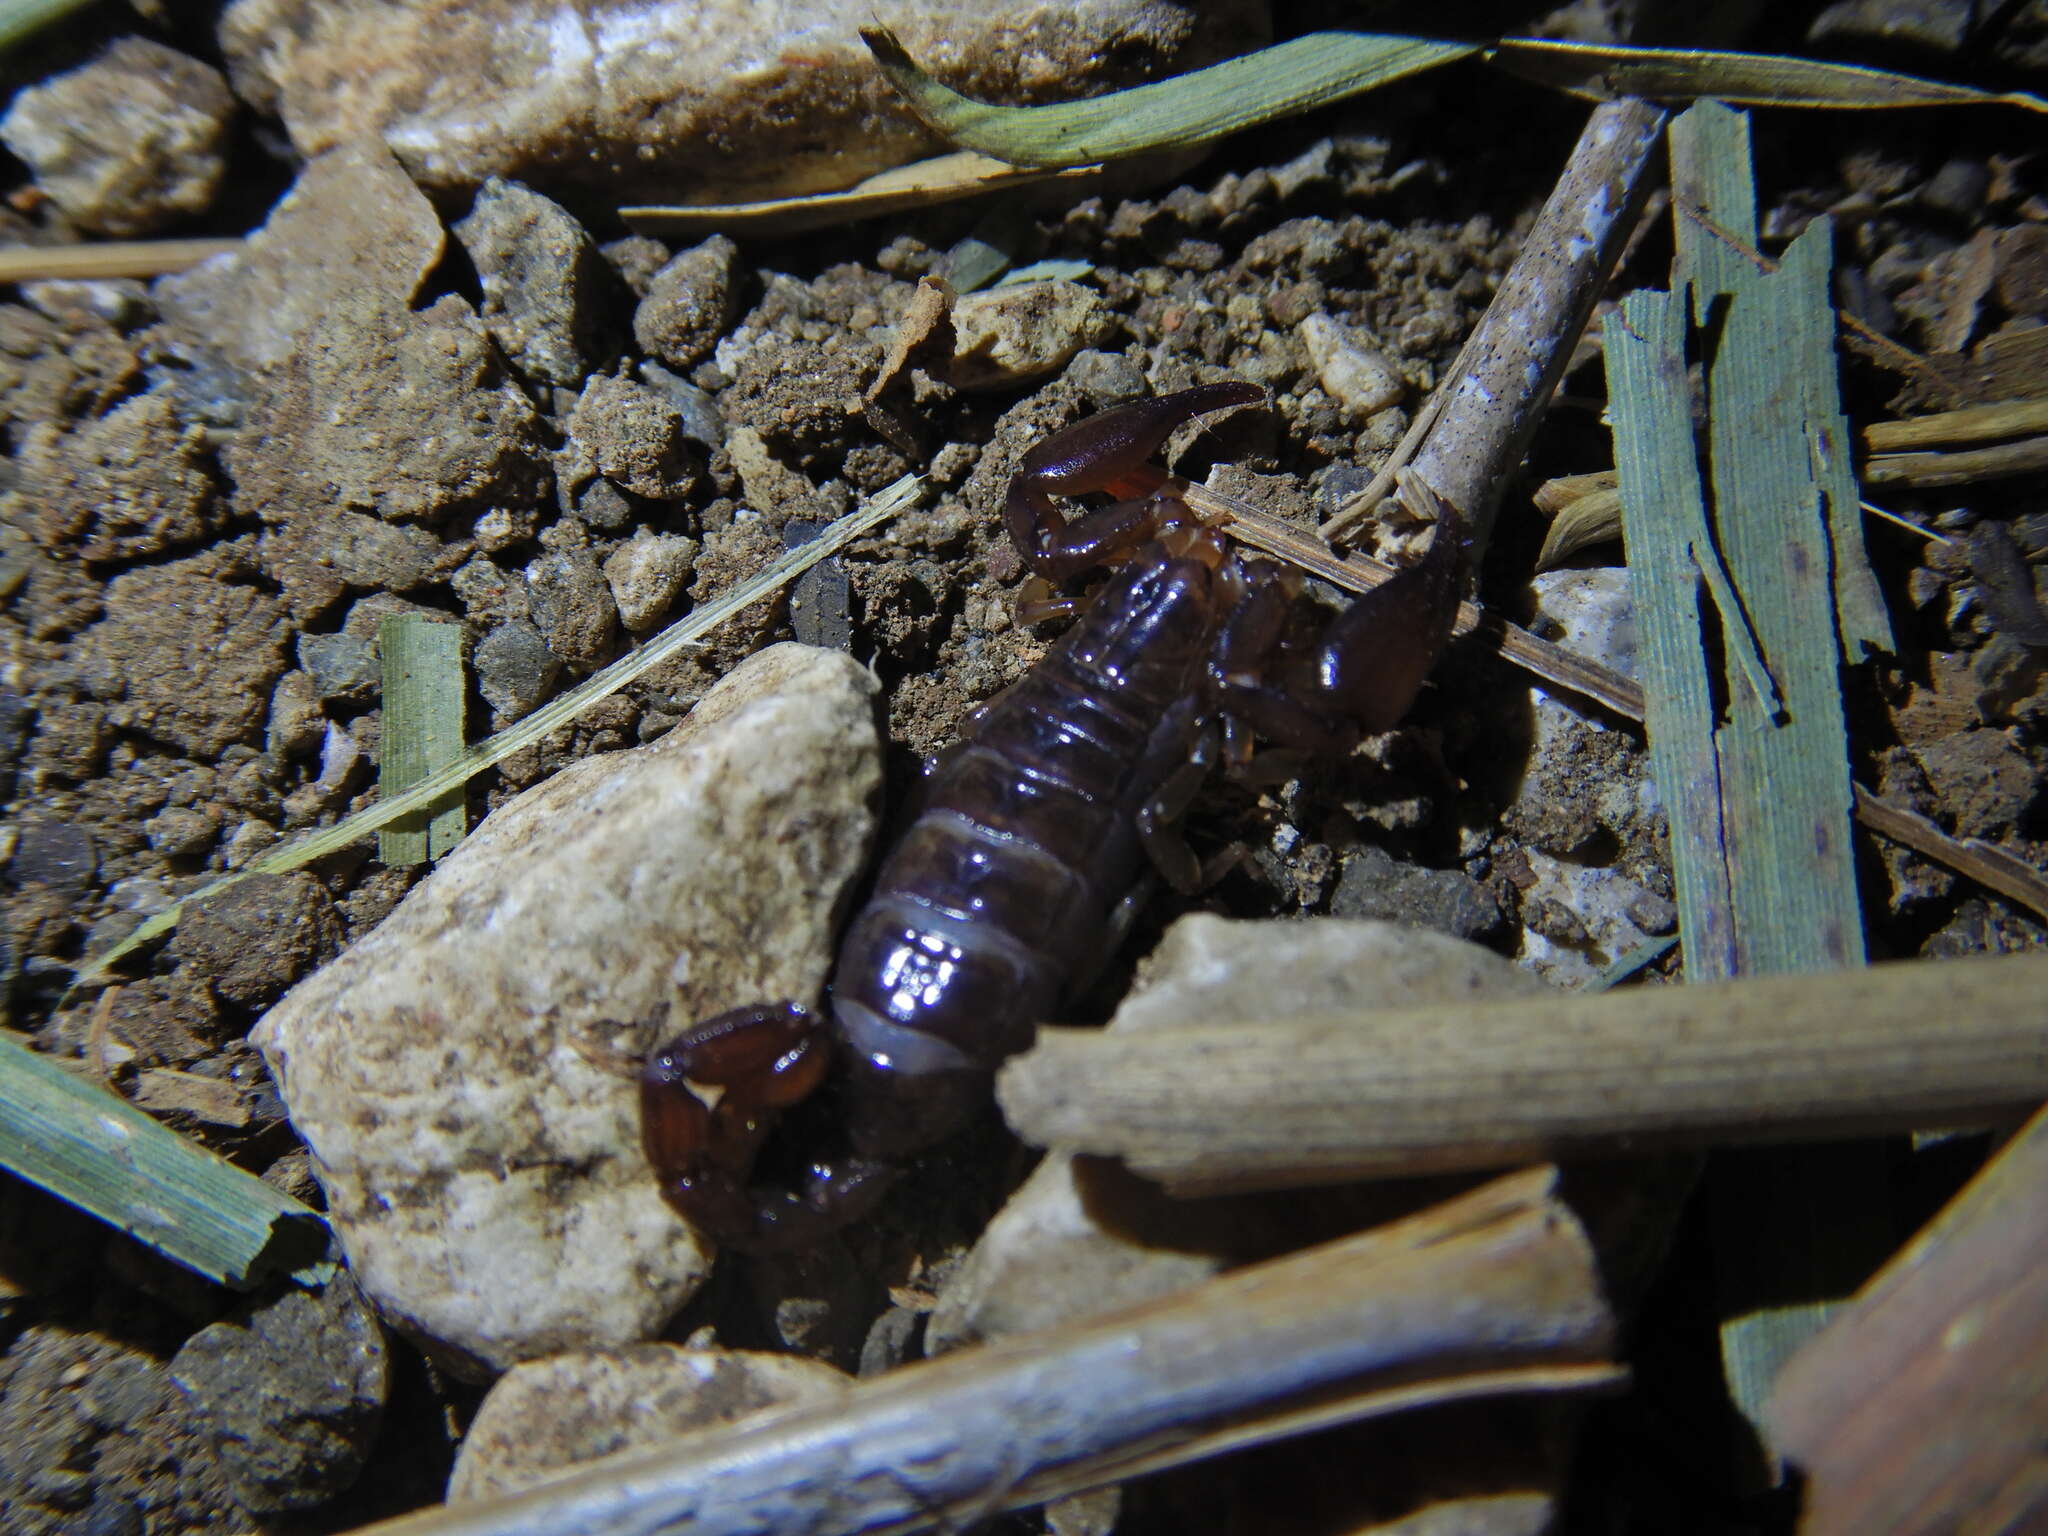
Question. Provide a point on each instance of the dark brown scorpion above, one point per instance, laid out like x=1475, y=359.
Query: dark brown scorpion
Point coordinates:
x=1036, y=830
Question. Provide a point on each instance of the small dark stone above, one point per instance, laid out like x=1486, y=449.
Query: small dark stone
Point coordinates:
x=604, y=507
x=573, y=608
x=256, y=938
x=702, y=423
x=343, y=667
x=1373, y=884
x=515, y=670
x=820, y=600
x=689, y=304
x=56, y=854
x=291, y=1390
x=1106, y=378
x=542, y=278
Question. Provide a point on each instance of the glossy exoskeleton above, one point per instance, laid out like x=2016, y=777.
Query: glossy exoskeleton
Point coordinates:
x=1036, y=829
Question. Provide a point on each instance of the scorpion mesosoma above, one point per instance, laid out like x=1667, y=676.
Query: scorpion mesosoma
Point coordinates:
x=1036, y=830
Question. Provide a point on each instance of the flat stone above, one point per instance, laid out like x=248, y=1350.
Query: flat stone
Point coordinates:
x=195, y=654
x=573, y=608
x=129, y=142
x=465, y=1075
x=706, y=101
x=352, y=240
x=549, y=1417
x=515, y=670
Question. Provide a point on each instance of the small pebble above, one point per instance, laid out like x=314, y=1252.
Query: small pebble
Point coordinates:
x=647, y=574
x=515, y=670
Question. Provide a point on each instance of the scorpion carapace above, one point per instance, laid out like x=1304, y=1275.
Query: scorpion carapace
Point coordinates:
x=1036, y=830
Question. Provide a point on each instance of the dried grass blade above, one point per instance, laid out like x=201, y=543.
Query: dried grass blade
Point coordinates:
x=87, y=1146
x=942, y=179
x=1748, y=79
x=549, y=717
x=108, y=259
x=1290, y=77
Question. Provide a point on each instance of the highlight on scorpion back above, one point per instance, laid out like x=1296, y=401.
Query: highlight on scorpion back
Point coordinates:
x=1038, y=829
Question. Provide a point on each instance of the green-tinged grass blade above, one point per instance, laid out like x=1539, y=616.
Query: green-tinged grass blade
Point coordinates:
x=421, y=731
x=551, y=716
x=1275, y=82
x=1771, y=388
x=20, y=18
x=105, y=1156
x=1751, y=79
x=1664, y=520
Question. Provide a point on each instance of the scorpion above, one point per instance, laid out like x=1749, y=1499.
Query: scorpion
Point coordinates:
x=1036, y=831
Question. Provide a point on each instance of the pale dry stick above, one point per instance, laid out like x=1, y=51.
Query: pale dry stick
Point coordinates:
x=1910, y=1045
x=1988, y=865
x=107, y=258
x=1493, y=1292
x=1496, y=392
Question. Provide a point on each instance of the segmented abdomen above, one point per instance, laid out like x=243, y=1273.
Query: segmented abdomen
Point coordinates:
x=1002, y=889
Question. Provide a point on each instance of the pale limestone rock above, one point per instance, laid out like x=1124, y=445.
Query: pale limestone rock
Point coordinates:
x=682, y=100
x=129, y=142
x=1078, y=1239
x=1352, y=371
x=1023, y=332
x=549, y=1417
x=465, y=1075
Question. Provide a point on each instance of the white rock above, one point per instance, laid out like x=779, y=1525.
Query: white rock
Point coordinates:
x=1352, y=371
x=1067, y=1244
x=647, y=574
x=548, y=1417
x=1025, y=331
x=465, y=1075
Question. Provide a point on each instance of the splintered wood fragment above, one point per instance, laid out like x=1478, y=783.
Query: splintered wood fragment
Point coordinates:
x=1964, y=466
x=1423, y=1090
x=1945, y=429
x=1920, y=1407
x=1493, y=1292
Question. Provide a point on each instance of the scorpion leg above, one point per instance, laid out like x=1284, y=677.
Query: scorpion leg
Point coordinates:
x=1105, y=452
x=1367, y=667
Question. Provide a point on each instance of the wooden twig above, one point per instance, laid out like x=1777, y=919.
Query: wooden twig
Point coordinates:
x=1422, y=1090
x=1920, y=1407
x=1494, y=395
x=1492, y=1292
